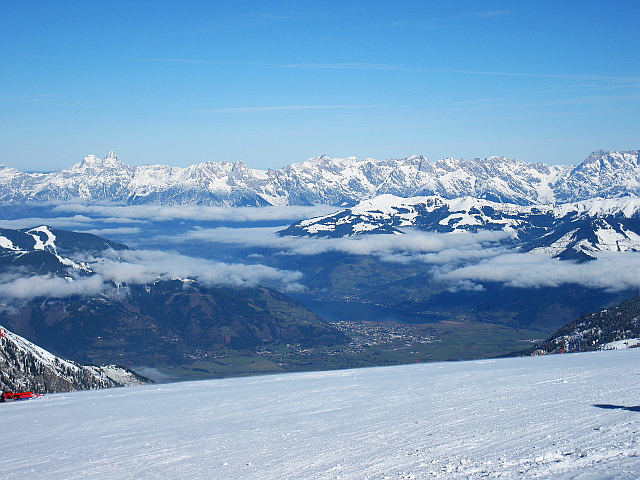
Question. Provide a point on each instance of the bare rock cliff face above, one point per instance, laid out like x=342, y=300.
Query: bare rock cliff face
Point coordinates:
x=27, y=367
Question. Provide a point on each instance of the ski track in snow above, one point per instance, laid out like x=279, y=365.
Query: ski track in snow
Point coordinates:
x=558, y=416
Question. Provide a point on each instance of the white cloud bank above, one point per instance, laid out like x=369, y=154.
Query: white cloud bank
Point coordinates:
x=159, y=213
x=412, y=246
x=613, y=271
x=145, y=266
x=25, y=288
x=142, y=267
x=87, y=218
x=104, y=232
x=464, y=260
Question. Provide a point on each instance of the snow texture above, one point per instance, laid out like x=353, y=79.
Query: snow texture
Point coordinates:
x=558, y=416
x=622, y=344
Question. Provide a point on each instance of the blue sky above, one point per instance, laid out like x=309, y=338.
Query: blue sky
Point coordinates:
x=273, y=83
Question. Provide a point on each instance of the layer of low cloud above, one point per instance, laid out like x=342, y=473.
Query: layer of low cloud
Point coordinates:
x=75, y=222
x=205, y=213
x=71, y=223
x=103, y=232
x=89, y=218
x=463, y=260
x=145, y=266
x=25, y=288
x=614, y=271
x=413, y=246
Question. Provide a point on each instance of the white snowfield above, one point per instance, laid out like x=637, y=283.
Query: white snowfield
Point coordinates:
x=573, y=416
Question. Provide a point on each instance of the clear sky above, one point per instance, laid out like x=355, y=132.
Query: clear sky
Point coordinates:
x=269, y=83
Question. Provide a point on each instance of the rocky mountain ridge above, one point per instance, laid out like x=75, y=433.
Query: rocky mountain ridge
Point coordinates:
x=324, y=180
x=27, y=367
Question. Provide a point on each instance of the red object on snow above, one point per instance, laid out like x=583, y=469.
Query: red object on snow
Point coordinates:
x=10, y=396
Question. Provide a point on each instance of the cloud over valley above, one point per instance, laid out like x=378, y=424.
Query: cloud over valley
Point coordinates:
x=215, y=245
x=142, y=267
x=463, y=260
x=611, y=271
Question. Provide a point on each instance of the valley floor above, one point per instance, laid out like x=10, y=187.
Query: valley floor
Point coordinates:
x=571, y=416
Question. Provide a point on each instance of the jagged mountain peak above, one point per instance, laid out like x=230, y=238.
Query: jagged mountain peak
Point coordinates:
x=326, y=160
x=315, y=160
x=110, y=160
x=495, y=159
x=607, y=158
x=112, y=157
x=325, y=180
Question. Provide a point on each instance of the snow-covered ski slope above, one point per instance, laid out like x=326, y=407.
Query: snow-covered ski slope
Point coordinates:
x=559, y=416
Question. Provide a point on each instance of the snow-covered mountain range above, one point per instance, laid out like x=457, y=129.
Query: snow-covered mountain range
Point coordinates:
x=324, y=180
x=571, y=230
x=25, y=366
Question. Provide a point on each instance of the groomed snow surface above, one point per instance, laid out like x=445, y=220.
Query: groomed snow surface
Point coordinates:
x=574, y=416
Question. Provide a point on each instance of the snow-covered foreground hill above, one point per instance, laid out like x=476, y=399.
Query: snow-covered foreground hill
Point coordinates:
x=563, y=416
